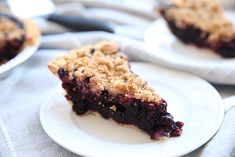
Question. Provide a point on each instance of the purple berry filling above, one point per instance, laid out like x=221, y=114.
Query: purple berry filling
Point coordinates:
x=150, y=117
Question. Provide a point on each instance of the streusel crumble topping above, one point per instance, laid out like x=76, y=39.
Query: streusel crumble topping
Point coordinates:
x=206, y=15
x=9, y=29
x=107, y=68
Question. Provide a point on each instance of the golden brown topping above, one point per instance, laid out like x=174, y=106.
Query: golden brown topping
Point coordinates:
x=107, y=69
x=32, y=32
x=206, y=15
x=9, y=30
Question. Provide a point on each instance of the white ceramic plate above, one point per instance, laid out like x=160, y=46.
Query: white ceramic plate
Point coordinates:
x=190, y=99
x=169, y=51
x=20, y=58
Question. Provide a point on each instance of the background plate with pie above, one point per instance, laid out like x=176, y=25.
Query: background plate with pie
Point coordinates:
x=167, y=50
x=19, y=39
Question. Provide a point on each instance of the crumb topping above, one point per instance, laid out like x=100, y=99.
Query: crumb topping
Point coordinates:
x=107, y=68
x=12, y=28
x=32, y=32
x=206, y=15
x=9, y=29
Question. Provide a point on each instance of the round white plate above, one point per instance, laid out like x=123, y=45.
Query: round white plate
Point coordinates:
x=20, y=58
x=169, y=51
x=190, y=99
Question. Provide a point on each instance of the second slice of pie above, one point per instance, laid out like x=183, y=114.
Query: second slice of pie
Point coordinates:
x=202, y=23
x=98, y=78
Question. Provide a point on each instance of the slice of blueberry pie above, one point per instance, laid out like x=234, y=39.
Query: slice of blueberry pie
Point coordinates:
x=98, y=78
x=201, y=22
x=15, y=34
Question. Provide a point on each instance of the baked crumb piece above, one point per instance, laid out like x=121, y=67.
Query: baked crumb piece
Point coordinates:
x=106, y=68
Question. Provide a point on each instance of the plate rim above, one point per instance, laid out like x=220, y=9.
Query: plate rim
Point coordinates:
x=212, y=133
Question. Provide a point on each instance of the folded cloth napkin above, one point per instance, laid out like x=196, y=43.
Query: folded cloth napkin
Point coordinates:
x=21, y=134
x=74, y=40
x=140, y=8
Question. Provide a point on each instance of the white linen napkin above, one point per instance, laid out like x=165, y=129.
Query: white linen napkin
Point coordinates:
x=139, y=8
x=119, y=15
x=136, y=50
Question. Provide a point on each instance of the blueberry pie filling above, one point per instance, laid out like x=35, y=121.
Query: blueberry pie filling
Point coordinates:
x=98, y=79
x=201, y=23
